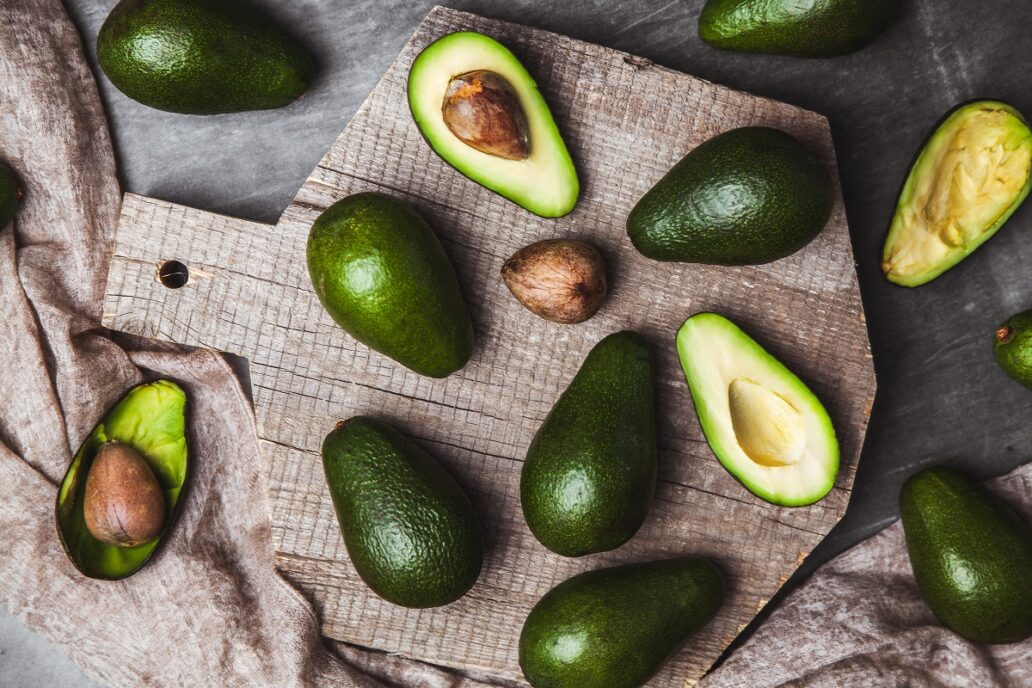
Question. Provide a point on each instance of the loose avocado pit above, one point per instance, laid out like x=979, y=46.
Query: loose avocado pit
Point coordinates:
x=483, y=111
x=480, y=110
x=761, y=421
x=123, y=504
x=972, y=175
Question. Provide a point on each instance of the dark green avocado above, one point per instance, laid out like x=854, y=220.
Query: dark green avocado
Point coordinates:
x=816, y=28
x=590, y=471
x=1013, y=347
x=748, y=196
x=382, y=274
x=10, y=194
x=202, y=57
x=410, y=530
x=971, y=555
x=616, y=627
x=150, y=420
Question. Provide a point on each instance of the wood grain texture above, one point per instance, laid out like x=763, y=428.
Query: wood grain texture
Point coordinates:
x=626, y=122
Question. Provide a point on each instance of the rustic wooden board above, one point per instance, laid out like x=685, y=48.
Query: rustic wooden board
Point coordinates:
x=626, y=122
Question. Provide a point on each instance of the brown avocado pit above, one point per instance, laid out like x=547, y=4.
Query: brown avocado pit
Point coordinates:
x=483, y=111
x=123, y=504
x=561, y=280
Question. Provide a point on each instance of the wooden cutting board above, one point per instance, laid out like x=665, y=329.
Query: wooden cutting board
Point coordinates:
x=626, y=121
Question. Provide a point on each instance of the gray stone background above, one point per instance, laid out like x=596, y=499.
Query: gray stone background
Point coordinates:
x=940, y=398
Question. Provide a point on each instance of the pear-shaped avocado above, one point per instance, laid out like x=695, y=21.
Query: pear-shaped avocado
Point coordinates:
x=748, y=196
x=590, y=471
x=817, y=28
x=971, y=555
x=202, y=57
x=480, y=110
x=411, y=531
x=763, y=423
x=112, y=512
x=382, y=274
x=10, y=194
x=616, y=627
x=1013, y=347
x=972, y=174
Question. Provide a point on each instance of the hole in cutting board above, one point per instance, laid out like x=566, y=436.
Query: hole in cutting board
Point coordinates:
x=173, y=274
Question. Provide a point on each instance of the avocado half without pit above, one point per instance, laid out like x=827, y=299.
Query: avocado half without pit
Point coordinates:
x=762, y=422
x=480, y=110
x=972, y=174
x=120, y=493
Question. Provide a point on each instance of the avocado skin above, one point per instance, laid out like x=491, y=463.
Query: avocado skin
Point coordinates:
x=414, y=312
x=598, y=444
x=825, y=28
x=202, y=57
x=9, y=194
x=411, y=531
x=971, y=555
x=622, y=623
x=1013, y=347
x=748, y=196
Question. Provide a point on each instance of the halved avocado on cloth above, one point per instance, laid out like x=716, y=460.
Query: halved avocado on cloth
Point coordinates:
x=970, y=177
x=763, y=423
x=151, y=419
x=473, y=77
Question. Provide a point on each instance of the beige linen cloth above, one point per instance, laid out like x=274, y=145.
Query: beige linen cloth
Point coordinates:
x=210, y=609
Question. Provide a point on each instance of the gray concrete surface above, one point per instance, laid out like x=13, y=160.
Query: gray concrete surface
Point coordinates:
x=941, y=398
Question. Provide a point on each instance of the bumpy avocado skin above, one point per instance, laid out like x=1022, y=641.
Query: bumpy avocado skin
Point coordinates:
x=616, y=627
x=590, y=471
x=1012, y=347
x=202, y=57
x=382, y=274
x=150, y=418
x=824, y=28
x=9, y=194
x=411, y=531
x=971, y=555
x=748, y=196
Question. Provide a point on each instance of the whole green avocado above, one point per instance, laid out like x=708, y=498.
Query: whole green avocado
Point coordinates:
x=1013, y=347
x=816, y=28
x=10, y=194
x=411, y=531
x=971, y=555
x=748, y=196
x=616, y=627
x=382, y=274
x=590, y=471
x=202, y=57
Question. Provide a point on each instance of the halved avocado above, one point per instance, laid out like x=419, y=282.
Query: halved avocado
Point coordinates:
x=150, y=419
x=973, y=173
x=471, y=77
x=763, y=423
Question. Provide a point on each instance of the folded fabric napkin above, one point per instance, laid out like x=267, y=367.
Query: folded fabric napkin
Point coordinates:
x=211, y=608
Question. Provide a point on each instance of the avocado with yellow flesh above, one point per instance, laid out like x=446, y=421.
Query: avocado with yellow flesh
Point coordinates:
x=763, y=423
x=120, y=492
x=480, y=110
x=970, y=177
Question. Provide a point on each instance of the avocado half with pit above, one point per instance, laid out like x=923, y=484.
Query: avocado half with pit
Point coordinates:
x=972, y=174
x=763, y=423
x=141, y=443
x=480, y=110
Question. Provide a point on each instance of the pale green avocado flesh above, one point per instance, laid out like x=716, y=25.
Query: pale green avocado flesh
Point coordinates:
x=545, y=182
x=971, y=176
x=762, y=422
x=151, y=419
